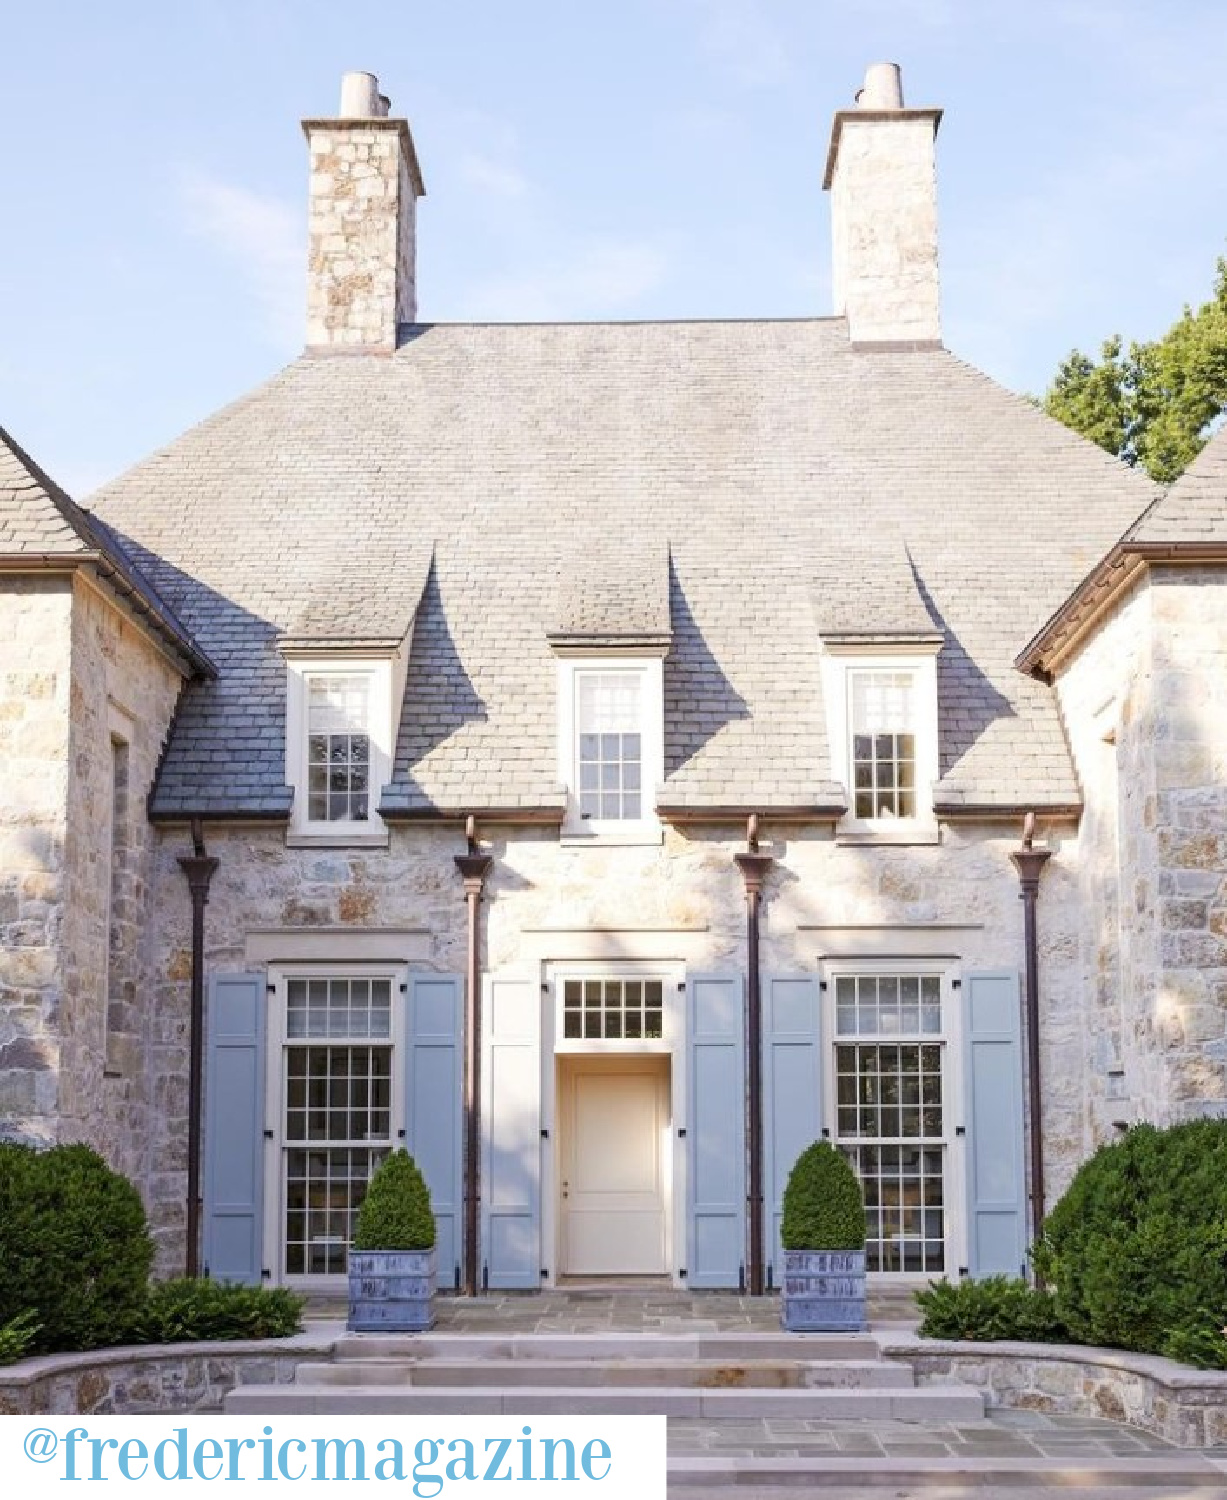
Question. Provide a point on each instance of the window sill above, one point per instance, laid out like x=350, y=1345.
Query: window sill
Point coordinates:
x=612, y=836
x=359, y=838
x=887, y=835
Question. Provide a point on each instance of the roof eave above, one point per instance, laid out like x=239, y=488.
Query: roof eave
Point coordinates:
x=182, y=646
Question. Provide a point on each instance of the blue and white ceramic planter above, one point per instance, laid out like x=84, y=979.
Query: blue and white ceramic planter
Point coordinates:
x=390, y=1291
x=823, y=1291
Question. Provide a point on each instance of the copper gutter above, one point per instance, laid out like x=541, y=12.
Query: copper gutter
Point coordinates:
x=199, y=868
x=754, y=869
x=1030, y=862
x=474, y=866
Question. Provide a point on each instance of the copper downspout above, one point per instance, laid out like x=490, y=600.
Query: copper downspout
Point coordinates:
x=199, y=868
x=1030, y=862
x=754, y=868
x=474, y=867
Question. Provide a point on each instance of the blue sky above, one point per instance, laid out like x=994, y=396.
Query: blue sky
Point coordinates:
x=645, y=159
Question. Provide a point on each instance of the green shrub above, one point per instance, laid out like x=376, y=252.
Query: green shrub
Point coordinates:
x=1203, y=1344
x=16, y=1337
x=1136, y=1250
x=182, y=1310
x=75, y=1250
x=823, y=1205
x=395, y=1214
x=999, y=1307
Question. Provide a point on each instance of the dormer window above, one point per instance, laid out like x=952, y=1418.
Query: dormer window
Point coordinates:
x=882, y=721
x=611, y=745
x=339, y=742
x=338, y=748
x=881, y=710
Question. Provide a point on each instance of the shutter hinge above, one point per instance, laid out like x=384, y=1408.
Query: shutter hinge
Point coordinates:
x=545, y=986
x=404, y=988
x=960, y=1130
x=681, y=1275
x=956, y=984
x=826, y=1134
x=681, y=985
x=963, y=1271
x=485, y=1276
x=400, y=1135
x=271, y=987
x=741, y=1278
x=269, y=1134
x=822, y=984
x=681, y=1132
x=545, y=1134
x=265, y=1274
x=456, y=1279
x=545, y=1271
x=771, y=1276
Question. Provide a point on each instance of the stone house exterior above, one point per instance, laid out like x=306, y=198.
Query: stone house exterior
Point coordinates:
x=603, y=757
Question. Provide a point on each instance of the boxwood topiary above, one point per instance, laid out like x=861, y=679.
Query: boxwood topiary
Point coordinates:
x=395, y=1214
x=1136, y=1250
x=75, y=1249
x=824, y=1208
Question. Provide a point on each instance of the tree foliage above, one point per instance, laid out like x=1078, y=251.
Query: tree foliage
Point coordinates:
x=1152, y=404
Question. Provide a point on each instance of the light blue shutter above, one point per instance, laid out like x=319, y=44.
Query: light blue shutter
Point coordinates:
x=433, y=1107
x=715, y=1131
x=996, y=1181
x=234, y=1129
x=792, y=1092
x=511, y=1133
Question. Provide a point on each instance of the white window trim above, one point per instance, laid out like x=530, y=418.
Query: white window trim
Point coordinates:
x=275, y=1105
x=920, y=661
x=648, y=829
x=954, y=1108
x=384, y=674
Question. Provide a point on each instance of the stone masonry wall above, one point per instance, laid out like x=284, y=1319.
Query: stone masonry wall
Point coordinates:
x=686, y=892
x=1153, y=858
x=360, y=256
x=1105, y=697
x=108, y=1084
x=34, y=706
x=1187, y=882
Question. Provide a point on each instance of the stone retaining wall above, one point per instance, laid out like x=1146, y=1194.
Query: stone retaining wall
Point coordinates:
x=158, y=1378
x=1187, y=1407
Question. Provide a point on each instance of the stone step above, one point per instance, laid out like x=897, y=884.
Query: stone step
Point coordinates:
x=936, y=1403
x=729, y=1348
x=1181, y=1476
x=705, y=1373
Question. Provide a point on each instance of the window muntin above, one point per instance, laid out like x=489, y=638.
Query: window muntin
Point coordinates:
x=337, y=1114
x=609, y=745
x=882, y=723
x=338, y=748
x=890, y=1113
x=613, y=1009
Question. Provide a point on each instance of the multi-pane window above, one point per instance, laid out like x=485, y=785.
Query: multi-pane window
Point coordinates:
x=609, y=718
x=338, y=748
x=613, y=1009
x=890, y=1113
x=338, y=1112
x=883, y=728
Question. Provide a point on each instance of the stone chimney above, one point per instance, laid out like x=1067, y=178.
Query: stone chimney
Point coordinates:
x=365, y=183
x=882, y=180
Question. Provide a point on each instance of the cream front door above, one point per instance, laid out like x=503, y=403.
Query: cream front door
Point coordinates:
x=613, y=1183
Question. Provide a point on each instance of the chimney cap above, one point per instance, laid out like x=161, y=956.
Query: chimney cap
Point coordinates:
x=883, y=87
x=360, y=97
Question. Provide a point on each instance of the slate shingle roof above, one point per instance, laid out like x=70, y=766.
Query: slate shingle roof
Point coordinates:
x=40, y=524
x=765, y=460
x=1195, y=508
